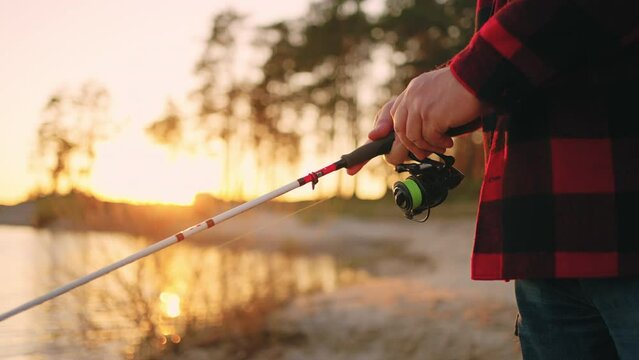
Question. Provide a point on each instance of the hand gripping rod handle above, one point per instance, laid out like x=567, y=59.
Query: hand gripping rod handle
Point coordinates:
x=383, y=146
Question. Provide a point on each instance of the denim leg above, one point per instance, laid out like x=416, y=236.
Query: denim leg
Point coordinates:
x=618, y=303
x=558, y=322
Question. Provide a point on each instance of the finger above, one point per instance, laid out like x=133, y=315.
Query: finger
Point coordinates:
x=383, y=127
x=441, y=140
x=414, y=129
x=396, y=104
x=437, y=138
x=420, y=147
x=383, y=122
x=400, y=122
x=426, y=145
x=399, y=115
x=398, y=153
x=400, y=136
x=429, y=148
x=355, y=169
x=386, y=109
x=419, y=153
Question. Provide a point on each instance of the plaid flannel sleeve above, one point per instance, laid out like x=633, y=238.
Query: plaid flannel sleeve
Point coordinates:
x=528, y=42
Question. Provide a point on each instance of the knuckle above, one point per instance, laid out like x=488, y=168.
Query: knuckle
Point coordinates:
x=385, y=119
x=388, y=106
x=411, y=84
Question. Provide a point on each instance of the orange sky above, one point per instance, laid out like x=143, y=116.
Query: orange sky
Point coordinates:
x=143, y=52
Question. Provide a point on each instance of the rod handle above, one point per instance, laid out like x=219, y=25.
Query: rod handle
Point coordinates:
x=470, y=127
x=369, y=151
x=383, y=146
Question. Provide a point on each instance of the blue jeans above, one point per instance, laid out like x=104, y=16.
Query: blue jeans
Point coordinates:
x=578, y=319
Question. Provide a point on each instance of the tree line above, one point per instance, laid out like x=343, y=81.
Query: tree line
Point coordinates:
x=311, y=87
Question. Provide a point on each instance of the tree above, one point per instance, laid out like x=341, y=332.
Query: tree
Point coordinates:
x=318, y=60
x=423, y=36
x=313, y=79
x=73, y=122
x=221, y=96
x=169, y=129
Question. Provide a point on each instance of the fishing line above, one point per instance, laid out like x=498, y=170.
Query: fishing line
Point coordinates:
x=277, y=221
x=426, y=187
x=358, y=156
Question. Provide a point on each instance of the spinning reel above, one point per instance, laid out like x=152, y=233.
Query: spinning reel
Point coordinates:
x=427, y=186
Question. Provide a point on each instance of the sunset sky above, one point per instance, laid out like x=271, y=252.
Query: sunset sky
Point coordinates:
x=143, y=52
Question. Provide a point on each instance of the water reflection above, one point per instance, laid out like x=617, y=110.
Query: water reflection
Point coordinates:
x=184, y=294
x=170, y=304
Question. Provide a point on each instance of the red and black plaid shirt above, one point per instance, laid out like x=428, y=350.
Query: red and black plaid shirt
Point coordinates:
x=560, y=197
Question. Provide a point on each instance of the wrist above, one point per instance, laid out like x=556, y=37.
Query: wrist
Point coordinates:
x=469, y=94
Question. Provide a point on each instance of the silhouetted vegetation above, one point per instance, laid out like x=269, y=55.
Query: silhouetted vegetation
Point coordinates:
x=322, y=79
x=168, y=129
x=309, y=91
x=73, y=122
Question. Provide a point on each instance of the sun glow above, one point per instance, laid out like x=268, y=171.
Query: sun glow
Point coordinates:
x=161, y=51
x=170, y=304
x=133, y=169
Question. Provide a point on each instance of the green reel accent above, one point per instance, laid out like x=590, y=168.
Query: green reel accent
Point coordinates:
x=415, y=192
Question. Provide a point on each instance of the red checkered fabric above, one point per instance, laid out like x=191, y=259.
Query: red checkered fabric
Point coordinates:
x=561, y=184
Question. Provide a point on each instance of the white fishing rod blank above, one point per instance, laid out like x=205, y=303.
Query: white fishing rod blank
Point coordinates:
x=358, y=156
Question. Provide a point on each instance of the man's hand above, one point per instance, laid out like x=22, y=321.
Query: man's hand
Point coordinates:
x=431, y=104
x=382, y=127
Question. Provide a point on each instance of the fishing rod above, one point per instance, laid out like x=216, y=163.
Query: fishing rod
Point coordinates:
x=357, y=156
x=426, y=187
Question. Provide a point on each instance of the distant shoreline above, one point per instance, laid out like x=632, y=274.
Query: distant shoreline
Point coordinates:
x=20, y=214
x=83, y=212
x=79, y=211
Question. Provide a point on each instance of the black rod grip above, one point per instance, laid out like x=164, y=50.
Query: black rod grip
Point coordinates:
x=383, y=146
x=369, y=151
x=470, y=127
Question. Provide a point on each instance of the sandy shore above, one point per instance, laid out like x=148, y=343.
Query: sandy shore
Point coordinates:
x=419, y=302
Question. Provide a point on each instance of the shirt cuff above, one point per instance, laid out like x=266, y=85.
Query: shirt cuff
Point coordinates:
x=485, y=72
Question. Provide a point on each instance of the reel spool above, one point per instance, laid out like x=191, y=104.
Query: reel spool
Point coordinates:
x=427, y=186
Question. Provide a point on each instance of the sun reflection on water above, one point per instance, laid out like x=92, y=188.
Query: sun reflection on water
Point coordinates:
x=170, y=304
x=185, y=295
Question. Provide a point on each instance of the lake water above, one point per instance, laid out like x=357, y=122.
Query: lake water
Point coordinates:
x=143, y=306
